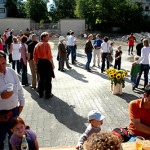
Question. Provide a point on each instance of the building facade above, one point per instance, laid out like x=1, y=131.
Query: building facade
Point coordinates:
x=145, y=4
x=3, y=13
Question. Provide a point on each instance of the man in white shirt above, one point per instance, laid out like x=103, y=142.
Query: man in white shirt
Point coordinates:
x=11, y=93
x=71, y=48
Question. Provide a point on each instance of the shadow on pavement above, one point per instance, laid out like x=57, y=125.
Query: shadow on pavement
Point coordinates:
x=128, y=97
x=73, y=73
x=63, y=112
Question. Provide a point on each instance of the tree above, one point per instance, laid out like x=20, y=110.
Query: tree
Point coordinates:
x=64, y=9
x=15, y=8
x=37, y=10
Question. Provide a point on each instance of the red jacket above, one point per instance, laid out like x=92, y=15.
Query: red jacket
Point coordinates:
x=131, y=40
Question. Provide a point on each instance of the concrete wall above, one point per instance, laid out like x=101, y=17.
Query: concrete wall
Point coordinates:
x=76, y=25
x=2, y=10
x=14, y=23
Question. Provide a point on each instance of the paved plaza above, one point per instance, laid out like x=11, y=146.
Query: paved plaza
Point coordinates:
x=60, y=121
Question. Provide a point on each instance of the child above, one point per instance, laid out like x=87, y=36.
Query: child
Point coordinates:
x=96, y=120
x=134, y=72
x=19, y=129
x=118, y=58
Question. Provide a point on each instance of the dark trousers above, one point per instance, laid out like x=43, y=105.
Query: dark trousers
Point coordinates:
x=89, y=57
x=24, y=74
x=73, y=55
x=117, y=64
x=130, y=48
x=145, y=69
x=104, y=57
x=18, y=65
x=5, y=128
x=45, y=74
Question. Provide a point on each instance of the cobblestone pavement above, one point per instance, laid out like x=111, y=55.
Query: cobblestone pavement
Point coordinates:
x=60, y=121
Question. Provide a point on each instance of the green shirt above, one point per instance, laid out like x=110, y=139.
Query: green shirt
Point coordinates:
x=135, y=69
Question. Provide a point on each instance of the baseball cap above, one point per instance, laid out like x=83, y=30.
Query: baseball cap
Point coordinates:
x=95, y=114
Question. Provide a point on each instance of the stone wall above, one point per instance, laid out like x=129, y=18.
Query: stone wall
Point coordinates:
x=76, y=25
x=14, y=23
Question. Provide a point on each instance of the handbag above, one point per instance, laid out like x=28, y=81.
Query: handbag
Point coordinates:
x=109, y=57
x=122, y=133
x=5, y=115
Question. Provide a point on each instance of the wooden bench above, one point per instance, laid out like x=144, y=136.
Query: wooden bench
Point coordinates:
x=125, y=146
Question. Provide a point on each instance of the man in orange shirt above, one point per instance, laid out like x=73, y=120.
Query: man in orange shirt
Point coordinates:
x=139, y=113
x=44, y=63
x=131, y=40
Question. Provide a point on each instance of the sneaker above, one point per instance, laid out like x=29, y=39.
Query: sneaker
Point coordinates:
x=99, y=66
x=131, y=53
x=128, y=53
x=93, y=65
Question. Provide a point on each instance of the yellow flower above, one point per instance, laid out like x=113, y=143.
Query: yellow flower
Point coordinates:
x=118, y=76
x=111, y=76
x=126, y=72
x=123, y=75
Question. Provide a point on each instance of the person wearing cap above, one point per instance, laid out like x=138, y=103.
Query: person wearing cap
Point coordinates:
x=62, y=54
x=95, y=119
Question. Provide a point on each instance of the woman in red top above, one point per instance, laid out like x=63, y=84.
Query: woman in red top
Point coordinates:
x=131, y=40
x=1, y=45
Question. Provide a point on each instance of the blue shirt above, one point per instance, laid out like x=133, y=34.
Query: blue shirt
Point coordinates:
x=98, y=43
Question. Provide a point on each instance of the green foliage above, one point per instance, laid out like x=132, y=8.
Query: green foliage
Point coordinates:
x=64, y=9
x=105, y=14
x=37, y=10
x=15, y=8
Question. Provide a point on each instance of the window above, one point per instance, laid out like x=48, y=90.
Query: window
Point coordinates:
x=2, y=10
x=146, y=8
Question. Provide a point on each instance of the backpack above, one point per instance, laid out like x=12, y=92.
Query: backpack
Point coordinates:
x=122, y=133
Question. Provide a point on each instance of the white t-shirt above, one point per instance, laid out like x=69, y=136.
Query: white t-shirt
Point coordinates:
x=105, y=47
x=16, y=55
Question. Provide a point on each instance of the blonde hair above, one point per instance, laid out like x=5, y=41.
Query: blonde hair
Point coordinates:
x=103, y=141
x=119, y=47
x=91, y=35
x=136, y=57
x=15, y=39
x=145, y=42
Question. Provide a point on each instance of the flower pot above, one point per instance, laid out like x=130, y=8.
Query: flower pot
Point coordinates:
x=116, y=89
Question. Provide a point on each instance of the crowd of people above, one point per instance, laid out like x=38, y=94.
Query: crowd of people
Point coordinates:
x=23, y=49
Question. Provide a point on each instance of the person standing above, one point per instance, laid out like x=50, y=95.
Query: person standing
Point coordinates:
x=31, y=47
x=16, y=55
x=71, y=48
x=139, y=47
x=118, y=58
x=131, y=40
x=144, y=61
x=105, y=51
x=44, y=64
x=23, y=51
x=11, y=94
x=62, y=54
x=88, y=51
x=97, y=45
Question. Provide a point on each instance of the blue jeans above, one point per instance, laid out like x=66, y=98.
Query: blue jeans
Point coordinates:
x=144, y=68
x=133, y=80
x=72, y=50
x=132, y=138
x=18, y=65
x=30, y=143
x=4, y=128
x=104, y=57
x=24, y=75
x=89, y=57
